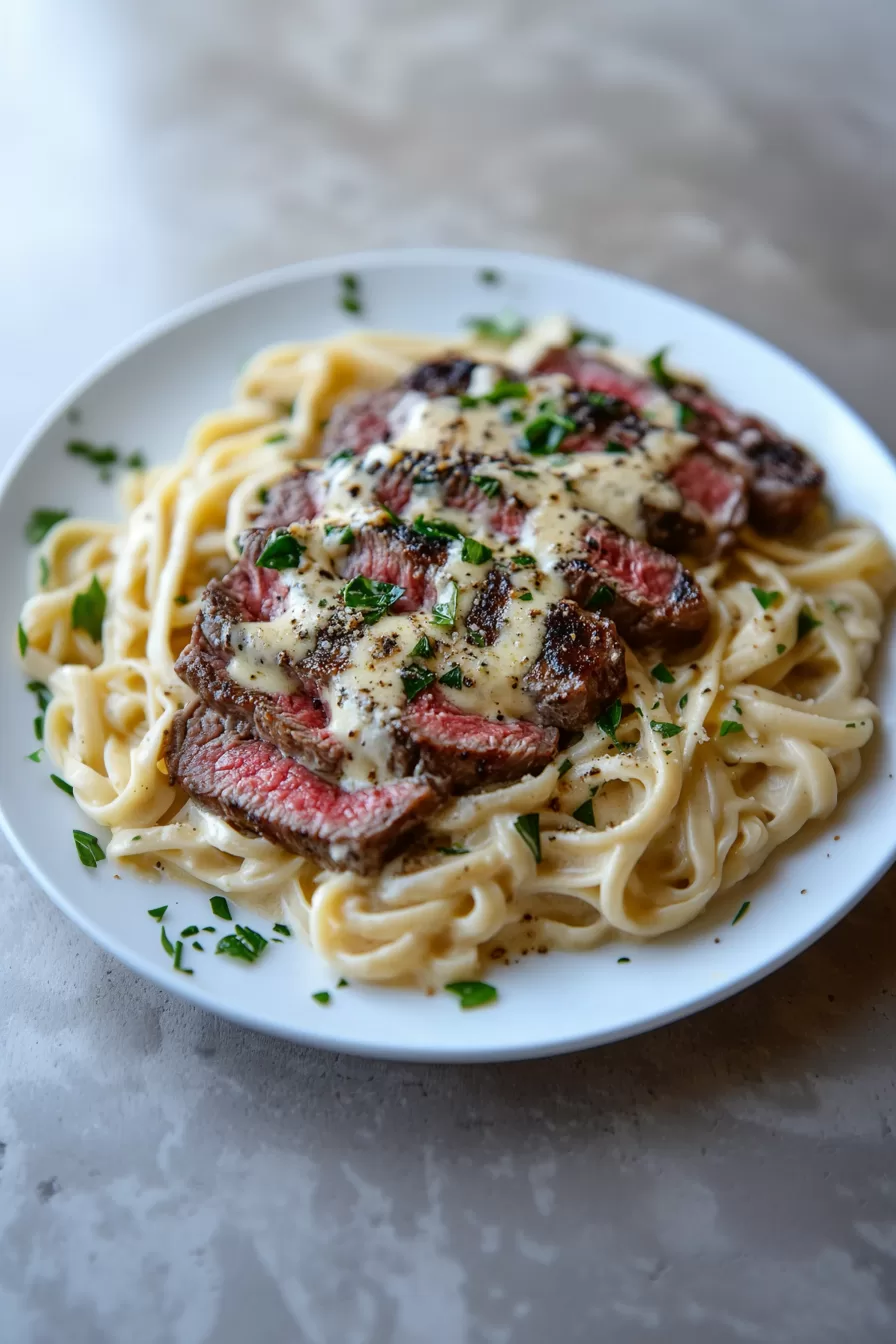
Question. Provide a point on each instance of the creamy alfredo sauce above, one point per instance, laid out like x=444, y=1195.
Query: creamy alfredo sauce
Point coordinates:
x=367, y=695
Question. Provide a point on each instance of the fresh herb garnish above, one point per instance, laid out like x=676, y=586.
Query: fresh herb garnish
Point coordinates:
x=415, y=679
x=528, y=827
x=602, y=597
x=657, y=366
x=523, y=561
x=504, y=329
x=198, y=947
x=614, y=446
x=88, y=847
x=453, y=849
x=665, y=729
x=39, y=727
x=158, y=914
x=105, y=458
x=525, y=475
x=764, y=597
x=436, y=527
x=181, y=600
x=344, y=455
x=350, y=294
x=564, y=767
x=453, y=678
x=730, y=726
x=741, y=912
x=341, y=983
x=41, y=521
x=166, y=942
x=546, y=432
x=737, y=707
x=244, y=943
x=283, y=929
x=523, y=595
x=585, y=812
x=88, y=610
x=610, y=720
x=445, y=612
x=489, y=277
x=23, y=639
x=282, y=551
x=621, y=961
x=41, y=692
x=189, y=931
x=61, y=784
x=685, y=415
x=780, y=648
x=476, y=637
x=178, y=953
x=472, y=993
x=489, y=485
x=683, y=701
x=662, y=673
x=275, y=438
x=322, y=996
x=805, y=623
x=475, y=552
x=371, y=597
x=423, y=648
x=503, y=390
x=220, y=908
x=35, y=755
x=346, y=534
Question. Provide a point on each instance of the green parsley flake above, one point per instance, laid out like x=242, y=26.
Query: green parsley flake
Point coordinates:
x=475, y=552
x=61, y=784
x=602, y=597
x=472, y=993
x=780, y=648
x=423, y=648
x=178, y=953
x=282, y=551
x=741, y=912
x=415, y=679
x=35, y=755
x=166, y=942
x=764, y=597
x=189, y=931
x=503, y=330
x=453, y=678
x=683, y=701
x=489, y=485
x=564, y=768
x=610, y=720
x=283, y=929
x=730, y=726
x=662, y=673
x=452, y=849
x=528, y=827
x=23, y=639
x=89, y=609
x=371, y=597
x=220, y=908
x=438, y=528
x=245, y=944
x=88, y=847
x=585, y=812
x=445, y=612
x=523, y=561
x=806, y=623
x=42, y=692
x=666, y=729
x=342, y=983
x=40, y=523
x=322, y=996
x=158, y=914
x=657, y=366
x=489, y=277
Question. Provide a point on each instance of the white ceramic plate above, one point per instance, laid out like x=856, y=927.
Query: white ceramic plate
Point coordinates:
x=148, y=394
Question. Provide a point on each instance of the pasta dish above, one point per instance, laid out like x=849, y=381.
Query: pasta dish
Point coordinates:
x=460, y=651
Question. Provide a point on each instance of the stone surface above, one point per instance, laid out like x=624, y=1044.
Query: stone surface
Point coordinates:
x=168, y=1177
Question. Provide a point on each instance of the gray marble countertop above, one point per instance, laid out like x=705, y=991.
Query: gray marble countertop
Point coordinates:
x=169, y=1177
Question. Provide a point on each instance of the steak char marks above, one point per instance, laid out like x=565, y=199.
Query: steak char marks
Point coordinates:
x=581, y=669
x=781, y=480
x=259, y=791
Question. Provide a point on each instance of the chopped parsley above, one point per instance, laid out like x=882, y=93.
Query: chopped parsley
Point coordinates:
x=42, y=693
x=662, y=673
x=445, y=613
x=730, y=726
x=371, y=597
x=525, y=475
x=489, y=485
x=344, y=455
x=601, y=597
x=322, y=996
x=610, y=720
x=181, y=599
x=41, y=521
x=453, y=849
x=190, y=931
x=489, y=277
x=350, y=294
x=523, y=595
x=244, y=943
x=805, y=623
x=39, y=727
x=36, y=755
x=523, y=561
x=546, y=432
x=741, y=912
x=503, y=330
x=346, y=535
x=453, y=678
x=423, y=648
x=23, y=639
x=665, y=729
x=275, y=438
x=436, y=527
x=158, y=914
x=198, y=947
x=585, y=813
x=475, y=552
x=88, y=847
x=622, y=961
x=283, y=929
x=476, y=637
x=166, y=942
x=178, y=953
x=503, y=390
x=764, y=597
x=528, y=827
x=61, y=784
x=614, y=446
x=341, y=983
x=564, y=767
x=415, y=679
x=282, y=551
x=105, y=457
x=88, y=610
x=657, y=366
x=780, y=648
x=472, y=993
x=685, y=415
x=737, y=707
x=220, y=908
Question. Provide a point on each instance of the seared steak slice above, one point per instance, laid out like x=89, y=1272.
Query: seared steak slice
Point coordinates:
x=359, y=422
x=715, y=504
x=398, y=555
x=446, y=377
x=293, y=499
x=645, y=591
x=259, y=791
x=784, y=480
x=468, y=750
x=452, y=479
x=486, y=615
x=581, y=669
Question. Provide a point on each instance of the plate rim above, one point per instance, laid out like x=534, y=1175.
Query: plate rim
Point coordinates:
x=300, y=1032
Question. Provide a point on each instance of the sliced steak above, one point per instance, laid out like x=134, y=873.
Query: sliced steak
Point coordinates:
x=297, y=498
x=486, y=615
x=784, y=481
x=446, y=377
x=451, y=477
x=361, y=421
x=468, y=750
x=646, y=592
x=398, y=555
x=259, y=791
x=581, y=669
x=715, y=504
